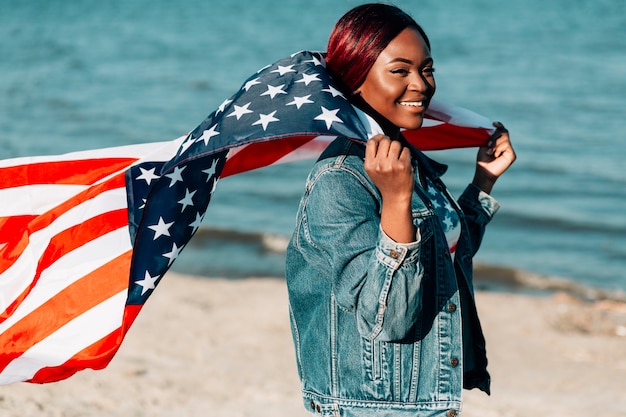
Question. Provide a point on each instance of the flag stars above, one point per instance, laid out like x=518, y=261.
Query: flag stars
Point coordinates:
x=147, y=175
x=273, y=91
x=247, y=86
x=308, y=78
x=266, y=119
x=332, y=90
x=187, y=200
x=147, y=283
x=173, y=254
x=299, y=101
x=329, y=116
x=208, y=134
x=175, y=176
x=210, y=172
x=448, y=223
x=284, y=70
x=222, y=106
x=240, y=111
x=161, y=228
x=315, y=61
x=195, y=225
x=186, y=144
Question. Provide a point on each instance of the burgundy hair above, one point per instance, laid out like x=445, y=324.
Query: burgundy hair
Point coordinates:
x=360, y=36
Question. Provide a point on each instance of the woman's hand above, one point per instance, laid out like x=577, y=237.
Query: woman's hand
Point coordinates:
x=388, y=165
x=495, y=158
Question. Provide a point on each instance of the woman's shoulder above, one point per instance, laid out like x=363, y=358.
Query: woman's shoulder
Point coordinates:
x=340, y=167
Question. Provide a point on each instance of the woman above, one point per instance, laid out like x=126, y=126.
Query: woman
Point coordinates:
x=379, y=268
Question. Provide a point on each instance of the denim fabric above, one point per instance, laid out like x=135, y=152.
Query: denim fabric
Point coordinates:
x=380, y=327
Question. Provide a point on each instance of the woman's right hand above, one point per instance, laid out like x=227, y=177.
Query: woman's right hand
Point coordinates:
x=388, y=165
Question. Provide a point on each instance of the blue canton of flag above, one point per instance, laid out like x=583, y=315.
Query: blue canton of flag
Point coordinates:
x=295, y=97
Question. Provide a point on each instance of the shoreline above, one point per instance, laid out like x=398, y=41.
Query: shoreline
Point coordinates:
x=223, y=347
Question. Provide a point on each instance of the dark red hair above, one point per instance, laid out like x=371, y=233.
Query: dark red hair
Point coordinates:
x=360, y=36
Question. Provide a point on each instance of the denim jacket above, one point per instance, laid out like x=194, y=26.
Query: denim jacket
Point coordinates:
x=381, y=327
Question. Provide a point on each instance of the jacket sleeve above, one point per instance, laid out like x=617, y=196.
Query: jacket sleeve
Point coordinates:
x=478, y=208
x=374, y=277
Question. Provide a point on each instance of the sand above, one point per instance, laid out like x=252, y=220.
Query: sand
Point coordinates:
x=214, y=347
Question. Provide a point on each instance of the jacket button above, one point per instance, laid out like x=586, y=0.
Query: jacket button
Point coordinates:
x=451, y=307
x=454, y=362
x=312, y=405
x=393, y=253
x=451, y=413
x=318, y=409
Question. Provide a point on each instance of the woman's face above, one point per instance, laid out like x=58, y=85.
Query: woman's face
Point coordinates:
x=401, y=83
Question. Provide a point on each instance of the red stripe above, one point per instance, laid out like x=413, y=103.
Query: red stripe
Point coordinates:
x=261, y=154
x=10, y=226
x=67, y=241
x=96, y=356
x=19, y=241
x=77, y=298
x=447, y=136
x=80, y=172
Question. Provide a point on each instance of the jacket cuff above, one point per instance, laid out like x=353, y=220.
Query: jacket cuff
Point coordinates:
x=481, y=202
x=392, y=253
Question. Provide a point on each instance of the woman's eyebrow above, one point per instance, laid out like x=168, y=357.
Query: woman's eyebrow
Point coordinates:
x=410, y=62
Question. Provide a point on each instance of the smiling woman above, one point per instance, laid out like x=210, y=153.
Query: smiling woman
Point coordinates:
x=401, y=82
x=379, y=267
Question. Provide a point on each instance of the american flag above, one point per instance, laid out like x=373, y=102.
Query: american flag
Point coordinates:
x=86, y=237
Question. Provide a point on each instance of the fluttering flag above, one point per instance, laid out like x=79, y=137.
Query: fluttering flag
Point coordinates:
x=86, y=237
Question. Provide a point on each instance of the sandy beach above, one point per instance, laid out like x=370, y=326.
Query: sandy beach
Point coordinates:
x=214, y=347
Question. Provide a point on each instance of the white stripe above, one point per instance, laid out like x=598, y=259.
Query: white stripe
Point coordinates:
x=129, y=151
x=457, y=115
x=310, y=150
x=70, y=339
x=35, y=199
x=18, y=276
x=69, y=269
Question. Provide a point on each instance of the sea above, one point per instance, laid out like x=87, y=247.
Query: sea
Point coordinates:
x=84, y=74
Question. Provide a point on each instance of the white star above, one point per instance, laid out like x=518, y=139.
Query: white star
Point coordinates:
x=187, y=200
x=307, y=78
x=329, y=116
x=211, y=170
x=448, y=206
x=316, y=61
x=284, y=70
x=186, y=144
x=214, y=185
x=222, y=106
x=448, y=222
x=196, y=223
x=332, y=90
x=240, y=111
x=273, y=90
x=299, y=101
x=147, y=175
x=147, y=283
x=173, y=254
x=176, y=175
x=250, y=83
x=144, y=203
x=431, y=190
x=435, y=204
x=208, y=134
x=265, y=119
x=161, y=228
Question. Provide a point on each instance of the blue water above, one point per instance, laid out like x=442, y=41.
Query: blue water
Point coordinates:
x=85, y=74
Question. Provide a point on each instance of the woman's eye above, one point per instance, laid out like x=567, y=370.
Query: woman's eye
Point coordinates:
x=400, y=71
x=429, y=70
